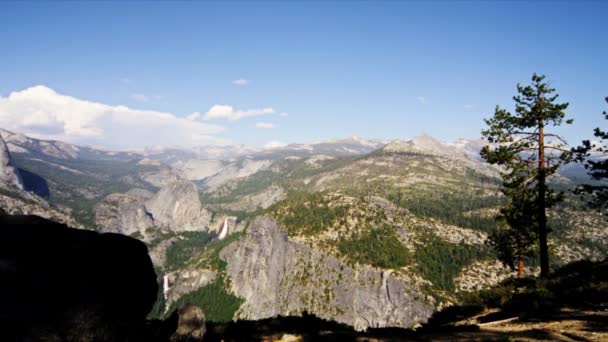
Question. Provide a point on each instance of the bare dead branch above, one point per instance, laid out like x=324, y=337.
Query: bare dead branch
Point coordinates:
x=502, y=321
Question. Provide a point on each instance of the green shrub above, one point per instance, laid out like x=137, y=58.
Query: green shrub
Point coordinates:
x=440, y=261
x=181, y=251
x=307, y=214
x=217, y=303
x=209, y=256
x=581, y=284
x=451, y=208
x=494, y=297
x=533, y=299
x=158, y=309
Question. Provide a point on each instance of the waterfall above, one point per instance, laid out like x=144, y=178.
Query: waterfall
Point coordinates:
x=166, y=286
x=224, y=230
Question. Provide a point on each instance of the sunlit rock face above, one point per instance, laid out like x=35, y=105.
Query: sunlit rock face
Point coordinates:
x=123, y=213
x=9, y=175
x=278, y=276
x=177, y=206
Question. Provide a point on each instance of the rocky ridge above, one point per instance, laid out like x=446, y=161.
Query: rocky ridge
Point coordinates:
x=32, y=205
x=259, y=200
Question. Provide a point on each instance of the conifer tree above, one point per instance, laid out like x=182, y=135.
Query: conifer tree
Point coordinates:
x=521, y=144
x=516, y=233
x=598, y=168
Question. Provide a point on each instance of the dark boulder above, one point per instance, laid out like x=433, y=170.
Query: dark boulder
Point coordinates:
x=55, y=280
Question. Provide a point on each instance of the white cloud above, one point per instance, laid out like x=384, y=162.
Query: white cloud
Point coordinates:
x=283, y=114
x=42, y=113
x=241, y=82
x=194, y=116
x=423, y=100
x=264, y=125
x=274, y=144
x=125, y=80
x=139, y=97
x=229, y=113
x=468, y=107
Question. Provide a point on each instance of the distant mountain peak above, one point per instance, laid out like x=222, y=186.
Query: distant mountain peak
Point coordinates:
x=364, y=141
x=425, y=140
x=425, y=144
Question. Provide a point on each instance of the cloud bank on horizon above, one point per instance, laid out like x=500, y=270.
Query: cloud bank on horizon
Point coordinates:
x=41, y=112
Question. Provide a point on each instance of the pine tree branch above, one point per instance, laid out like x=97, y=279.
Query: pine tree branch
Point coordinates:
x=558, y=149
x=556, y=136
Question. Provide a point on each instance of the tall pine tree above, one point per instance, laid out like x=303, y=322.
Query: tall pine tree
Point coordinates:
x=520, y=142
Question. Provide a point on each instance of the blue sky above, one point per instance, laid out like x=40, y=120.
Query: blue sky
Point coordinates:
x=379, y=70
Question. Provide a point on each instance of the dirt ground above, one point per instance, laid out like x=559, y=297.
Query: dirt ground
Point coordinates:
x=566, y=325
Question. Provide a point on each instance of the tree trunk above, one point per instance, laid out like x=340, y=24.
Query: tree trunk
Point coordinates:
x=542, y=203
x=520, y=268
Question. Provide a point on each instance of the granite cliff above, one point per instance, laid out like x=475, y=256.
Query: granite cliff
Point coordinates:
x=175, y=207
x=278, y=276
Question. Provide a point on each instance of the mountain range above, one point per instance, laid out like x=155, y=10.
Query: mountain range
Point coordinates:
x=365, y=232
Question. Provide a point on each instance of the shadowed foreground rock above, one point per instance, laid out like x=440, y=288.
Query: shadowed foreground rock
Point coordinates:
x=191, y=324
x=59, y=283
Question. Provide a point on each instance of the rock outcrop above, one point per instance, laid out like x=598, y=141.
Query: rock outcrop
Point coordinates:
x=259, y=200
x=179, y=283
x=278, y=276
x=160, y=177
x=9, y=174
x=224, y=226
x=236, y=170
x=195, y=169
x=482, y=275
x=191, y=324
x=27, y=204
x=177, y=206
x=123, y=213
x=158, y=252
